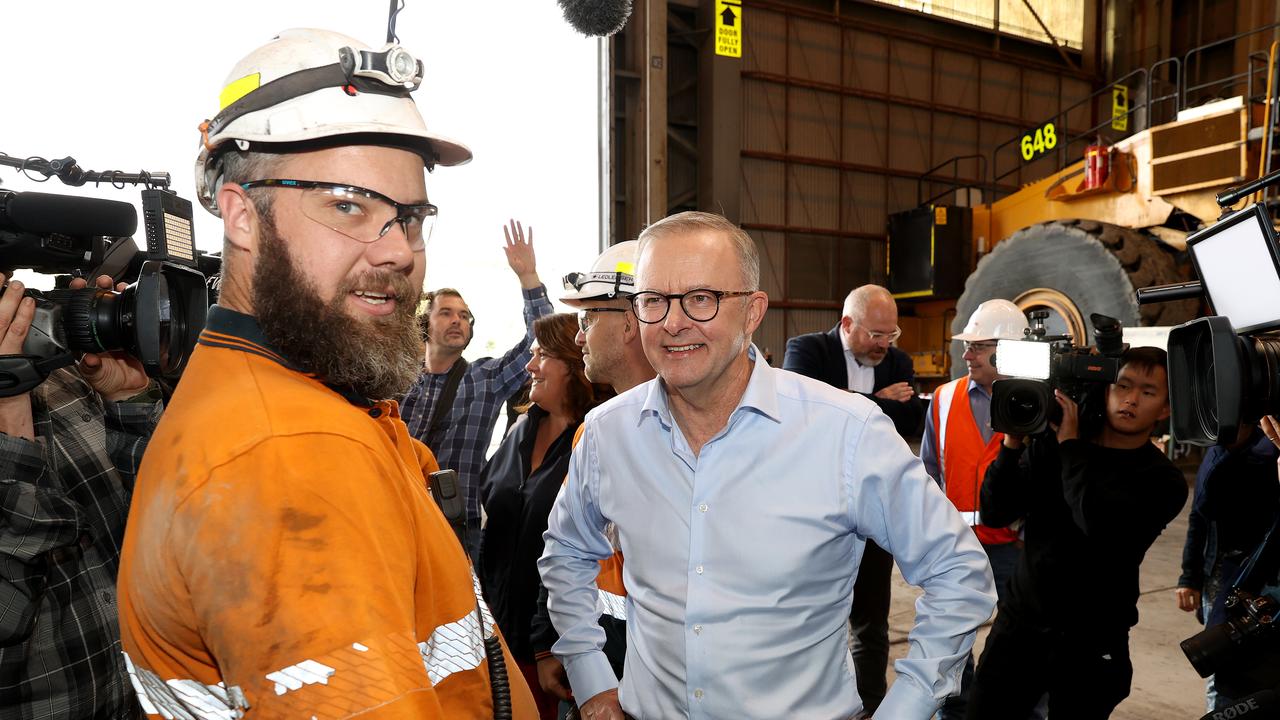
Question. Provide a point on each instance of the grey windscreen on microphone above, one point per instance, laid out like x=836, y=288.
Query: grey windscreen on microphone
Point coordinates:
x=599, y=18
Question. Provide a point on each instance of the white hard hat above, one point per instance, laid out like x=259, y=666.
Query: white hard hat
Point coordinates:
x=306, y=85
x=995, y=320
x=612, y=276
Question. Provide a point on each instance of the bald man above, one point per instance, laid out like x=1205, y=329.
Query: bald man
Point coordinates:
x=858, y=355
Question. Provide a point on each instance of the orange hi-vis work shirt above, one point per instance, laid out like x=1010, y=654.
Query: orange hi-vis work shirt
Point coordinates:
x=965, y=456
x=284, y=557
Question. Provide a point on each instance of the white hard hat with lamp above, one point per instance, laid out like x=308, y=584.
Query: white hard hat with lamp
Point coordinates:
x=612, y=276
x=995, y=320
x=310, y=85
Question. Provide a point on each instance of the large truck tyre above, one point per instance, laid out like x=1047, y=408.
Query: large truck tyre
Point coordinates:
x=1096, y=265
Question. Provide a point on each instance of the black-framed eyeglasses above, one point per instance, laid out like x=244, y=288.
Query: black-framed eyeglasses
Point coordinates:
x=586, y=316
x=701, y=305
x=361, y=214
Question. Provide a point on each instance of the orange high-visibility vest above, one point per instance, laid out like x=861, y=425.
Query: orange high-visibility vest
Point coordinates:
x=964, y=457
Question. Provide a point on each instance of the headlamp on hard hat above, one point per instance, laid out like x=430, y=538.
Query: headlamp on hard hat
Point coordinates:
x=392, y=65
x=576, y=281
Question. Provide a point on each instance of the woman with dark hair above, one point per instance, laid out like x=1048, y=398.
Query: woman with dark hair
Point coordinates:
x=522, y=479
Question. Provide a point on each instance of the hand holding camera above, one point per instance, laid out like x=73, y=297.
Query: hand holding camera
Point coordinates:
x=1069, y=427
x=114, y=375
x=16, y=312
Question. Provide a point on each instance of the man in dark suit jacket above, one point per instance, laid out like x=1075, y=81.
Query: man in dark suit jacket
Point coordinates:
x=858, y=355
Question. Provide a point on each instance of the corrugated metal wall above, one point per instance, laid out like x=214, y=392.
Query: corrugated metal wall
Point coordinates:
x=840, y=119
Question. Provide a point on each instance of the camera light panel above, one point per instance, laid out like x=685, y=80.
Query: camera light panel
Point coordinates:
x=1023, y=358
x=1237, y=264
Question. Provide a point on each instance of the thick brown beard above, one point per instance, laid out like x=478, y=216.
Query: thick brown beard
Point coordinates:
x=377, y=357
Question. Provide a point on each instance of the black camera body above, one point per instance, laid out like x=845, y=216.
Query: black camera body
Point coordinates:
x=1224, y=650
x=157, y=319
x=1026, y=405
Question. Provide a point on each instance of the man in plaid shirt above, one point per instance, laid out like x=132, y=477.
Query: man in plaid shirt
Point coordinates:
x=69, y=453
x=466, y=427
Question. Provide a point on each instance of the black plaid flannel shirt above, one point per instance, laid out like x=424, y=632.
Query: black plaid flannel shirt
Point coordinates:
x=64, y=499
x=467, y=427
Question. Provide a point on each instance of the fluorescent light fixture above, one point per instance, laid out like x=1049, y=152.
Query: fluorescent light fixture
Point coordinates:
x=1237, y=263
x=1023, y=358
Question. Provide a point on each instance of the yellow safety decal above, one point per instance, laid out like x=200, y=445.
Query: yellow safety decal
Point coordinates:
x=939, y=215
x=728, y=21
x=625, y=267
x=238, y=89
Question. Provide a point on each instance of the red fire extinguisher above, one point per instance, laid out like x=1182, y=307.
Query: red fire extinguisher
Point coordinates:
x=1097, y=166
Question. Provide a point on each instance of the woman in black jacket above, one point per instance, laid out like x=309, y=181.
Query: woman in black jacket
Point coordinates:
x=522, y=479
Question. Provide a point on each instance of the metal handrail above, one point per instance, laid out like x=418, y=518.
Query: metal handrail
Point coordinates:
x=1186, y=59
x=955, y=182
x=1176, y=95
x=1063, y=114
x=1179, y=70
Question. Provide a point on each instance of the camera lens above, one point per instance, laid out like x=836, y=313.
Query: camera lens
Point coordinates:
x=1024, y=407
x=1206, y=650
x=93, y=320
x=1204, y=393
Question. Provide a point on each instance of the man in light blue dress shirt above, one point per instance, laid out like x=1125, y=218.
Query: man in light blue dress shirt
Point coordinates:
x=742, y=497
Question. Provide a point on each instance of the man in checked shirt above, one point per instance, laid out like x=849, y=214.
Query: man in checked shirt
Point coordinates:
x=69, y=453
x=461, y=436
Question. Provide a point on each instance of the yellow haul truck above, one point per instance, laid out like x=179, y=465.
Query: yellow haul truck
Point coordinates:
x=1083, y=237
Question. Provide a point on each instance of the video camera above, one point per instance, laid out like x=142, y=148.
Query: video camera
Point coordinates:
x=1023, y=402
x=156, y=319
x=1224, y=373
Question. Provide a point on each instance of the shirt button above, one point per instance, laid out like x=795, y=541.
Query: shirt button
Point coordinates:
x=702, y=507
x=697, y=629
x=106, y=596
x=698, y=569
x=698, y=693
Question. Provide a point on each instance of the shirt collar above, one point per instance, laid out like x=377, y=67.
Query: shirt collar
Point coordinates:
x=761, y=394
x=973, y=385
x=231, y=330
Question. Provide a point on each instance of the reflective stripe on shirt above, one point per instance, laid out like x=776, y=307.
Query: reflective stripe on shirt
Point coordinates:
x=459, y=645
x=175, y=699
x=614, y=606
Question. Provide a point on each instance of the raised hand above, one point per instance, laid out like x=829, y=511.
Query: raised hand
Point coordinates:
x=520, y=255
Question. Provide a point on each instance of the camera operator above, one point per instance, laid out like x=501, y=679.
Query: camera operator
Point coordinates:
x=1092, y=507
x=1234, y=505
x=69, y=452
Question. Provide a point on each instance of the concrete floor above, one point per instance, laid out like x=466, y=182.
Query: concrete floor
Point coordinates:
x=1165, y=687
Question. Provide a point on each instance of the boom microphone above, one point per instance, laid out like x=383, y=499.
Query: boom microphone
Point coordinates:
x=599, y=18
x=49, y=214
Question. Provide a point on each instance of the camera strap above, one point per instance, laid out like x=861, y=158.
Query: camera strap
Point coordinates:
x=445, y=401
x=22, y=373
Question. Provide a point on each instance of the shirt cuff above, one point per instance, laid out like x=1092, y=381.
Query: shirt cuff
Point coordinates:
x=21, y=459
x=539, y=292
x=907, y=700
x=137, y=418
x=589, y=674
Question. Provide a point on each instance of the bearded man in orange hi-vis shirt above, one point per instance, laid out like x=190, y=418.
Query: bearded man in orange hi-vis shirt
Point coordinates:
x=284, y=557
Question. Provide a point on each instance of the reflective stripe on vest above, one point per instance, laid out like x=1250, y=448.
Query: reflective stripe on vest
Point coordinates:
x=941, y=408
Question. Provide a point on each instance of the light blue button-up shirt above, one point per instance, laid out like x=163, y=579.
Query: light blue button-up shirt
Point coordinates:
x=740, y=561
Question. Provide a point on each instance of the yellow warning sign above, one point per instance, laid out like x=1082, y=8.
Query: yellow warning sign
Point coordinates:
x=939, y=215
x=1120, y=108
x=729, y=28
